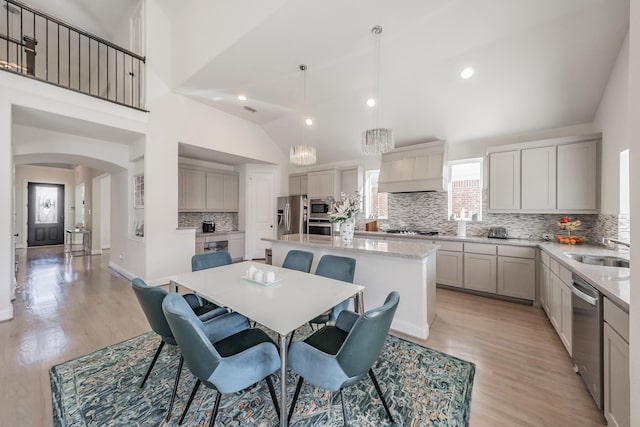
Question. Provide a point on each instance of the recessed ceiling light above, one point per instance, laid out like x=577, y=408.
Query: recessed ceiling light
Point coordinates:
x=467, y=73
x=371, y=102
x=308, y=121
x=242, y=97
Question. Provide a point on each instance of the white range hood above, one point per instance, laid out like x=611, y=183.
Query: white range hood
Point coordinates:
x=413, y=168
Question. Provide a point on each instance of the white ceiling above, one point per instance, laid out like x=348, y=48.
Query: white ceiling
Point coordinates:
x=539, y=64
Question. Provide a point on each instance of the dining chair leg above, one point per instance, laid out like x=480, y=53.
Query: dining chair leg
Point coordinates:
x=175, y=388
x=191, y=396
x=295, y=399
x=384, y=402
x=274, y=398
x=291, y=339
x=344, y=409
x=153, y=362
x=212, y=421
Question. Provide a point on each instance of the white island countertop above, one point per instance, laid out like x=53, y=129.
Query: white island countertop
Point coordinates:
x=412, y=249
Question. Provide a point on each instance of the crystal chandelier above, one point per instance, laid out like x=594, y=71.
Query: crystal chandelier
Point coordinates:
x=303, y=155
x=378, y=140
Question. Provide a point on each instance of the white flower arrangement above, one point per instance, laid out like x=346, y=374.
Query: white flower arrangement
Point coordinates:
x=345, y=208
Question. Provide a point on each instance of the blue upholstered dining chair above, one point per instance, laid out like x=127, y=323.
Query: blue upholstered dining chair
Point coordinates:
x=298, y=260
x=336, y=357
x=338, y=268
x=150, y=299
x=210, y=260
x=228, y=365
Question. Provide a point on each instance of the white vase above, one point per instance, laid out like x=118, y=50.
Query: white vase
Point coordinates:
x=346, y=231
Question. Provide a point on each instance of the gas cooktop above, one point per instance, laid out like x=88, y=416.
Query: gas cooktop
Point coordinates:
x=413, y=232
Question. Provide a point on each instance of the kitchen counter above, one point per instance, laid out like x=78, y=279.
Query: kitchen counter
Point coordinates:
x=382, y=266
x=395, y=248
x=612, y=282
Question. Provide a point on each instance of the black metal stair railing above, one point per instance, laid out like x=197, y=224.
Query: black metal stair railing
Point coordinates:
x=45, y=48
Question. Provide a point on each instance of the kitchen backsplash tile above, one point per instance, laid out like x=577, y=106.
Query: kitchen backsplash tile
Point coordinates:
x=224, y=221
x=428, y=211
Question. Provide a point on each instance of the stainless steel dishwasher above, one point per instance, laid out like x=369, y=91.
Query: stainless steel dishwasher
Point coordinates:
x=587, y=335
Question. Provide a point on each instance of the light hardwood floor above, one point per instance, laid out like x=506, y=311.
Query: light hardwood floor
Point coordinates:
x=67, y=307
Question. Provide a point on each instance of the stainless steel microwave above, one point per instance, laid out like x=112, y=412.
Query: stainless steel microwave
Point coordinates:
x=318, y=207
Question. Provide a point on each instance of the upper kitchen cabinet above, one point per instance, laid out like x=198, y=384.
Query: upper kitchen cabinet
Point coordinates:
x=201, y=190
x=298, y=185
x=504, y=181
x=351, y=180
x=550, y=176
x=577, y=176
x=191, y=190
x=324, y=184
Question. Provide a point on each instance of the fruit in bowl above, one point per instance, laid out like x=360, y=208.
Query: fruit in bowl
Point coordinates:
x=566, y=224
x=571, y=240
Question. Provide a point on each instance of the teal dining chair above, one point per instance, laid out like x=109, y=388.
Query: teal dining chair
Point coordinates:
x=228, y=365
x=210, y=260
x=150, y=299
x=337, y=357
x=298, y=260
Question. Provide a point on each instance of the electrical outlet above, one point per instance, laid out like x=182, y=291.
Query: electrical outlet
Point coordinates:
x=547, y=236
x=121, y=256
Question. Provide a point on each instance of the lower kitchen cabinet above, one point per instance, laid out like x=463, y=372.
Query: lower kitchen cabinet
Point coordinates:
x=517, y=277
x=616, y=366
x=480, y=272
x=557, y=300
x=449, y=264
x=236, y=246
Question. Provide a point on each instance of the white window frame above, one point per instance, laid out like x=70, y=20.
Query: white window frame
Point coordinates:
x=450, y=165
x=367, y=194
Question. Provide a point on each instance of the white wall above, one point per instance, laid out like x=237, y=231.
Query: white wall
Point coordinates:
x=105, y=212
x=634, y=160
x=612, y=120
x=7, y=274
x=26, y=174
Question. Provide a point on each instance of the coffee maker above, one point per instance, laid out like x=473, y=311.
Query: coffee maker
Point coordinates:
x=208, y=227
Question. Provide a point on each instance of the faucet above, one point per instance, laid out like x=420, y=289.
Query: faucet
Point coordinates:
x=608, y=242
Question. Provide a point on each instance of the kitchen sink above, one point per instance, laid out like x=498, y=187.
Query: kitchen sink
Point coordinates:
x=608, y=261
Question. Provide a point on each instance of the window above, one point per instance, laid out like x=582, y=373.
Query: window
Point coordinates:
x=376, y=204
x=465, y=190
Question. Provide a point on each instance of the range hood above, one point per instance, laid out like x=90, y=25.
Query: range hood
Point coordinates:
x=413, y=168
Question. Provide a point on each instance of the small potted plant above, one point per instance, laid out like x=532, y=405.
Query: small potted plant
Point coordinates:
x=343, y=212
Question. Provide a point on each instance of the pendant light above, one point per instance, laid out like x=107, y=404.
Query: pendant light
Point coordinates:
x=377, y=140
x=303, y=155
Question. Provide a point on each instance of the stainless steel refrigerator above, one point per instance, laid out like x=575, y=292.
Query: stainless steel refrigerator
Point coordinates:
x=292, y=215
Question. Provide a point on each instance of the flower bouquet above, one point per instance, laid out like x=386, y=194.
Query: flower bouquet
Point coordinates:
x=343, y=211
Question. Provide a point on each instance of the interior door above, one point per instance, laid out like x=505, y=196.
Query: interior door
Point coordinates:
x=263, y=210
x=45, y=223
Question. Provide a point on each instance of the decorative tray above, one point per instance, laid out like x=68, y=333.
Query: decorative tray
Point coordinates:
x=260, y=282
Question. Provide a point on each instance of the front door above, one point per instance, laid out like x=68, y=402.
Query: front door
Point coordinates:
x=46, y=214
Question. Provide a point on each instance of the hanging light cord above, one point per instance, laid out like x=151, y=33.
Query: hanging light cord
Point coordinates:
x=377, y=31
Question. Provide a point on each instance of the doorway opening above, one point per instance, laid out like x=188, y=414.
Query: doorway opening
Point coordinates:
x=45, y=223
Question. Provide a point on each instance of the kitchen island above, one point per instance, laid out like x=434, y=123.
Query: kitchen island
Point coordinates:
x=408, y=267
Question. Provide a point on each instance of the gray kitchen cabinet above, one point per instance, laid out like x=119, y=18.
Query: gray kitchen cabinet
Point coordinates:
x=351, y=181
x=559, y=300
x=550, y=176
x=191, y=185
x=200, y=245
x=517, y=277
x=504, y=180
x=538, y=189
x=480, y=272
x=236, y=245
x=222, y=192
x=323, y=184
x=449, y=264
x=545, y=288
x=297, y=185
x=616, y=365
x=577, y=176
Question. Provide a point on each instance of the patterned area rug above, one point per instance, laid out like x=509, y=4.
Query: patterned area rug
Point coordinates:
x=423, y=388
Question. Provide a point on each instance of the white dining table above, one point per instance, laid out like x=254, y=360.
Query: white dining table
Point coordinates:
x=282, y=306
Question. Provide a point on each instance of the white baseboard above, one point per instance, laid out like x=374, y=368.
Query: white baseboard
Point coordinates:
x=6, y=314
x=96, y=252
x=411, y=329
x=121, y=271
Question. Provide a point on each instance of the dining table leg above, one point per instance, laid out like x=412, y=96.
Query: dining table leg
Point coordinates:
x=283, y=380
x=359, y=302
